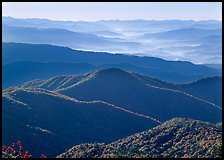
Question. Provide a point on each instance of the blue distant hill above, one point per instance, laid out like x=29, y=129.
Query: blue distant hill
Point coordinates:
x=173, y=71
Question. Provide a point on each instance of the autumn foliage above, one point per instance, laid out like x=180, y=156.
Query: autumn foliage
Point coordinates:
x=16, y=150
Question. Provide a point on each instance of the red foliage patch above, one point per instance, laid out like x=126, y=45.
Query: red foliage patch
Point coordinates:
x=16, y=151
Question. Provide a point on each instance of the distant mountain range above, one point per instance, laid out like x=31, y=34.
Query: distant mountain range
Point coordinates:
x=63, y=37
x=173, y=71
x=46, y=23
x=191, y=39
x=184, y=34
x=185, y=138
x=140, y=24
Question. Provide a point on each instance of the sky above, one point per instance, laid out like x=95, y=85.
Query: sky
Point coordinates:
x=93, y=11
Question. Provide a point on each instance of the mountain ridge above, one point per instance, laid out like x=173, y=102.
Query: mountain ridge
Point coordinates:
x=175, y=138
x=151, y=66
x=151, y=82
x=125, y=89
x=40, y=106
x=184, y=33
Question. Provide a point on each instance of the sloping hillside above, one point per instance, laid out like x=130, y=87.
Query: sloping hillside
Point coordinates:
x=176, y=138
x=125, y=89
x=48, y=121
x=209, y=88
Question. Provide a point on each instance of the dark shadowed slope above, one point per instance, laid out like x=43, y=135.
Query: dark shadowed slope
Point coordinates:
x=207, y=88
x=176, y=138
x=49, y=122
x=127, y=90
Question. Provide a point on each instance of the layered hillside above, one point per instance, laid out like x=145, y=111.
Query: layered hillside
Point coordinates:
x=131, y=92
x=19, y=72
x=49, y=122
x=176, y=138
x=183, y=34
x=209, y=88
x=173, y=71
x=63, y=37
